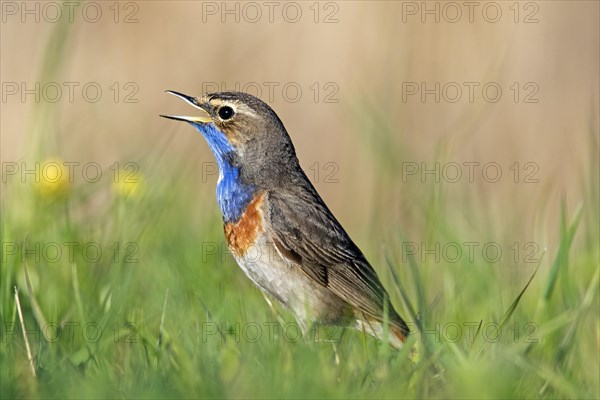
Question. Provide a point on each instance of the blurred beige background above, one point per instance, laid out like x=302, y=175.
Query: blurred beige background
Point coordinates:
x=364, y=55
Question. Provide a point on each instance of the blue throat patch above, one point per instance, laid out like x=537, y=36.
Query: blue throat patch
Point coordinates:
x=233, y=196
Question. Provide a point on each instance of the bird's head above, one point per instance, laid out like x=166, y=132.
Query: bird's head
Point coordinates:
x=243, y=132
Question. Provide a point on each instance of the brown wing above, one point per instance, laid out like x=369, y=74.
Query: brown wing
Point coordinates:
x=307, y=234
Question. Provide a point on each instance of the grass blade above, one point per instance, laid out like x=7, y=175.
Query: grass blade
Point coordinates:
x=562, y=255
x=516, y=301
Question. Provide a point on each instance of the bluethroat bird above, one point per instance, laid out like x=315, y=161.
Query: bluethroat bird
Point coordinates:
x=278, y=228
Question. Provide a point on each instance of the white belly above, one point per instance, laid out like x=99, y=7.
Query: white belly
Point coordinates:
x=285, y=281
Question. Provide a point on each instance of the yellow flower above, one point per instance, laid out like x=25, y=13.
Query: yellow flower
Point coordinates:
x=127, y=184
x=52, y=178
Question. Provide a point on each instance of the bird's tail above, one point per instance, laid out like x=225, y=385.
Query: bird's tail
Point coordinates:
x=397, y=330
x=398, y=335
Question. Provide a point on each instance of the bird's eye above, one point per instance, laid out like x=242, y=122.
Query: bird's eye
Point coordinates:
x=225, y=112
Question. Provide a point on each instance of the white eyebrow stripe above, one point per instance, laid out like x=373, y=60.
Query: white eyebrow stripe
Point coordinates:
x=237, y=106
x=244, y=109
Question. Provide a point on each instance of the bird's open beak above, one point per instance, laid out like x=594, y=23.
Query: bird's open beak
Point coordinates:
x=203, y=118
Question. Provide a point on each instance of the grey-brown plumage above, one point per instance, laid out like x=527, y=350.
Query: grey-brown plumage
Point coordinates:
x=268, y=204
x=317, y=243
